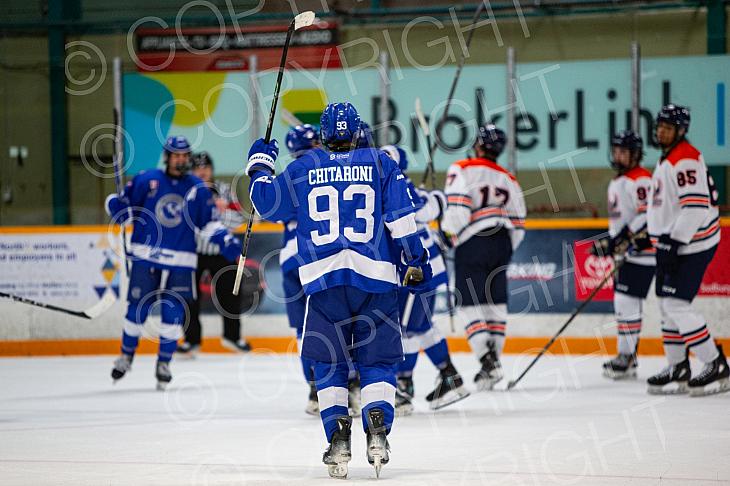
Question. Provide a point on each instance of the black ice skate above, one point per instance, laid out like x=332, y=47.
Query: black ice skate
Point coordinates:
x=663, y=382
x=621, y=367
x=353, y=397
x=714, y=378
x=339, y=453
x=240, y=346
x=121, y=365
x=378, y=447
x=163, y=375
x=404, y=396
x=187, y=350
x=313, y=402
x=491, y=372
x=449, y=388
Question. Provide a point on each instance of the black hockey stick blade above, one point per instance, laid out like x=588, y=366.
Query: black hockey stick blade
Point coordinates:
x=94, y=311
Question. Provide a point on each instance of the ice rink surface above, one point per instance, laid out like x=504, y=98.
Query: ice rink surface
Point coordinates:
x=240, y=420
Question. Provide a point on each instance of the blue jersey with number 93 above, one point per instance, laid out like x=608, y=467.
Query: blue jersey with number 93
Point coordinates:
x=353, y=213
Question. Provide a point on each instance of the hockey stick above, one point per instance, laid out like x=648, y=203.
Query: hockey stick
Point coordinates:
x=304, y=19
x=609, y=275
x=452, y=90
x=94, y=311
x=118, y=159
x=427, y=133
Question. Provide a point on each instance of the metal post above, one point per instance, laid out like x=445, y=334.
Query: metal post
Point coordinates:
x=511, y=101
x=635, y=87
x=253, y=64
x=59, y=113
x=384, y=97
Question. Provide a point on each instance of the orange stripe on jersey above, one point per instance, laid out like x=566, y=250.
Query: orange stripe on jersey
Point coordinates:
x=695, y=200
x=487, y=212
x=712, y=229
x=466, y=201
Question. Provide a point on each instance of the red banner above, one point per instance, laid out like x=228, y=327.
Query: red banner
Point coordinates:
x=717, y=276
x=590, y=271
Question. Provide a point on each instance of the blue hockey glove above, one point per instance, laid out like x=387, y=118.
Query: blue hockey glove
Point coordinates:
x=116, y=206
x=667, y=257
x=231, y=248
x=262, y=156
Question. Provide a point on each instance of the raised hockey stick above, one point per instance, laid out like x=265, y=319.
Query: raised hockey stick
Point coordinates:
x=118, y=159
x=94, y=311
x=452, y=90
x=609, y=275
x=427, y=133
x=304, y=19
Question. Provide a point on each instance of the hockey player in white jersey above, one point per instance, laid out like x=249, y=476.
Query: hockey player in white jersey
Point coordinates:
x=485, y=219
x=355, y=221
x=416, y=310
x=684, y=226
x=628, y=196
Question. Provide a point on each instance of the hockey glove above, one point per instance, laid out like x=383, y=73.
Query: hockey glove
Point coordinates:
x=116, y=206
x=418, y=273
x=641, y=241
x=619, y=244
x=231, y=248
x=262, y=156
x=667, y=258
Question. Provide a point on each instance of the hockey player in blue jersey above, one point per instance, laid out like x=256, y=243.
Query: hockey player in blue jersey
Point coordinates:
x=355, y=221
x=416, y=310
x=299, y=139
x=166, y=208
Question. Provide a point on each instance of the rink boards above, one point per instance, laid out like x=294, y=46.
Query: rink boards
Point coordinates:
x=72, y=266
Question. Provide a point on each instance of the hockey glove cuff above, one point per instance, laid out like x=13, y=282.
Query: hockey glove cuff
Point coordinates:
x=262, y=156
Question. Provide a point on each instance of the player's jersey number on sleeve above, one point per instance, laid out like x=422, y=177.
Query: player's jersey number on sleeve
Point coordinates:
x=332, y=213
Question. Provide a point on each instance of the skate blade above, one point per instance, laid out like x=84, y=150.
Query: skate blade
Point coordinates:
x=681, y=389
x=453, y=396
x=487, y=385
x=613, y=375
x=377, y=464
x=312, y=409
x=404, y=410
x=722, y=386
x=338, y=471
x=162, y=385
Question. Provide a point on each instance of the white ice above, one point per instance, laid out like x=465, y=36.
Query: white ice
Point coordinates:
x=240, y=420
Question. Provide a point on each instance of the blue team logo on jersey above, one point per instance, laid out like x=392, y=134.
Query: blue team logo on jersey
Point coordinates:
x=169, y=210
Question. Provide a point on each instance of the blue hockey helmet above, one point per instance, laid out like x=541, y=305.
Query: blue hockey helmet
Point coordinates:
x=631, y=141
x=177, y=144
x=301, y=137
x=491, y=139
x=398, y=155
x=364, y=136
x=339, y=126
x=674, y=115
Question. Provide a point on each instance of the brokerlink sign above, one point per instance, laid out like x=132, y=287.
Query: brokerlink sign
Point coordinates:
x=564, y=111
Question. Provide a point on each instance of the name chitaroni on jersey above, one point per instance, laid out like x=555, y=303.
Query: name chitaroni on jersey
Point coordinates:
x=354, y=173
